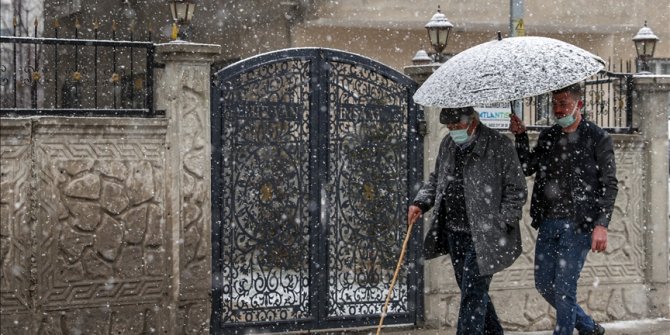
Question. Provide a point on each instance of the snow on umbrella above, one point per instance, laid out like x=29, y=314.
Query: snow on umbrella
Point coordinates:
x=505, y=70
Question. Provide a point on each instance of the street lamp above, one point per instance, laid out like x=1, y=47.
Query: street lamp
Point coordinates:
x=438, y=32
x=182, y=13
x=645, y=44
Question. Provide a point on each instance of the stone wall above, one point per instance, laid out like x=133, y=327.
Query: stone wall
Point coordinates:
x=105, y=222
x=83, y=225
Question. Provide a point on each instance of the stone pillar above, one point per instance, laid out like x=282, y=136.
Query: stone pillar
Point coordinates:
x=434, y=270
x=183, y=91
x=434, y=130
x=652, y=100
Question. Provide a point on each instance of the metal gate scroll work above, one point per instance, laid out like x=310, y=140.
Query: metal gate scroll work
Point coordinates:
x=312, y=167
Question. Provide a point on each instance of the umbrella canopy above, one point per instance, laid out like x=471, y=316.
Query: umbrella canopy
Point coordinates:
x=505, y=70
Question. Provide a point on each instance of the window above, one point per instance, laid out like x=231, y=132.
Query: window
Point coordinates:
x=659, y=65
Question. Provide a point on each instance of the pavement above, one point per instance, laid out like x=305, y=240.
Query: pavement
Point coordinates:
x=632, y=327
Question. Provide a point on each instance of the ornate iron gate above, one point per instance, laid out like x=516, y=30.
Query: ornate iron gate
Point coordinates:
x=314, y=152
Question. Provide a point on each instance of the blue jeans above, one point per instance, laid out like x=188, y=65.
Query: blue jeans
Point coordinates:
x=560, y=253
x=476, y=315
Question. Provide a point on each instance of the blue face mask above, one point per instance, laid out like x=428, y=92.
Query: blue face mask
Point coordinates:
x=460, y=135
x=567, y=120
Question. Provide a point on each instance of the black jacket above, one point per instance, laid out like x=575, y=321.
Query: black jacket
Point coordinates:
x=495, y=192
x=593, y=184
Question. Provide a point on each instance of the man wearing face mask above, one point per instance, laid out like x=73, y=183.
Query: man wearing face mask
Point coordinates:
x=478, y=190
x=572, y=203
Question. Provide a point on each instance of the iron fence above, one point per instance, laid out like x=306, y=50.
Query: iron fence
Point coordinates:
x=608, y=101
x=76, y=76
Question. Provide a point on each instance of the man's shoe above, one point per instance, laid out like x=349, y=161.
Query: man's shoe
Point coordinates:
x=598, y=330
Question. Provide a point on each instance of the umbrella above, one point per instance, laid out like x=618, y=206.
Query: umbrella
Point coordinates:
x=505, y=70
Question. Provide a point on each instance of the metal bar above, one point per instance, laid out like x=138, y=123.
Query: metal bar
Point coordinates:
x=115, y=76
x=417, y=177
x=151, y=51
x=629, y=102
x=599, y=103
x=610, y=117
x=615, y=74
x=14, y=51
x=516, y=14
x=218, y=184
x=95, y=65
x=323, y=138
x=33, y=77
x=1, y=78
x=132, y=77
x=76, y=47
x=56, y=65
x=622, y=102
x=67, y=41
x=315, y=101
x=413, y=138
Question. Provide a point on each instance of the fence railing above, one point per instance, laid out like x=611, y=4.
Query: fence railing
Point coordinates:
x=75, y=76
x=608, y=102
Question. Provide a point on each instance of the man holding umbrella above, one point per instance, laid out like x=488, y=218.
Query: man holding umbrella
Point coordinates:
x=572, y=203
x=478, y=190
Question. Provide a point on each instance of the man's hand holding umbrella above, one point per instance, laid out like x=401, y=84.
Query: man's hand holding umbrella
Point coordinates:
x=516, y=126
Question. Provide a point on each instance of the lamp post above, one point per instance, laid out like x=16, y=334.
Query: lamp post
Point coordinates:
x=645, y=45
x=438, y=32
x=182, y=13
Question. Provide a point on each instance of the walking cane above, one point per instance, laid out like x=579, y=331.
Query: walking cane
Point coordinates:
x=395, y=276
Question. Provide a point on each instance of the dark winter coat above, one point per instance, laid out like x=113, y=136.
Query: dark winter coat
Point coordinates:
x=495, y=192
x=593, y=181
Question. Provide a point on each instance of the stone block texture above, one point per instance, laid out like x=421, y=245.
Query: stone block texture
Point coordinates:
x=83, y=232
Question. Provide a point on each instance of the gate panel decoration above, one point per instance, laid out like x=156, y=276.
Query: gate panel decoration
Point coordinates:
x=312, y=172
x=265, y=233
x=367, y=152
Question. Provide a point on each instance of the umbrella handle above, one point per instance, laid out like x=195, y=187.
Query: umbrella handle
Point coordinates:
x=395, y=276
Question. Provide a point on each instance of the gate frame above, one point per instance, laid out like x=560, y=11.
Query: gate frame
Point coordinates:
x=318, y=315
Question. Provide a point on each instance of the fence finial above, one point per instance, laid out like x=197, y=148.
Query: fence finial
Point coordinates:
x=14, y=23
x=76, y=23
x=114, y=25
x=96, y=24
x=175, y=31
x=36, y=22
x=56, y=24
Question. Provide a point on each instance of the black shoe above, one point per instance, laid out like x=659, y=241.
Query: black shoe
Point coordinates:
x=598, y=330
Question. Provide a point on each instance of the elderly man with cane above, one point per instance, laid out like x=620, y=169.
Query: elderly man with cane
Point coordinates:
x=477, y=189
